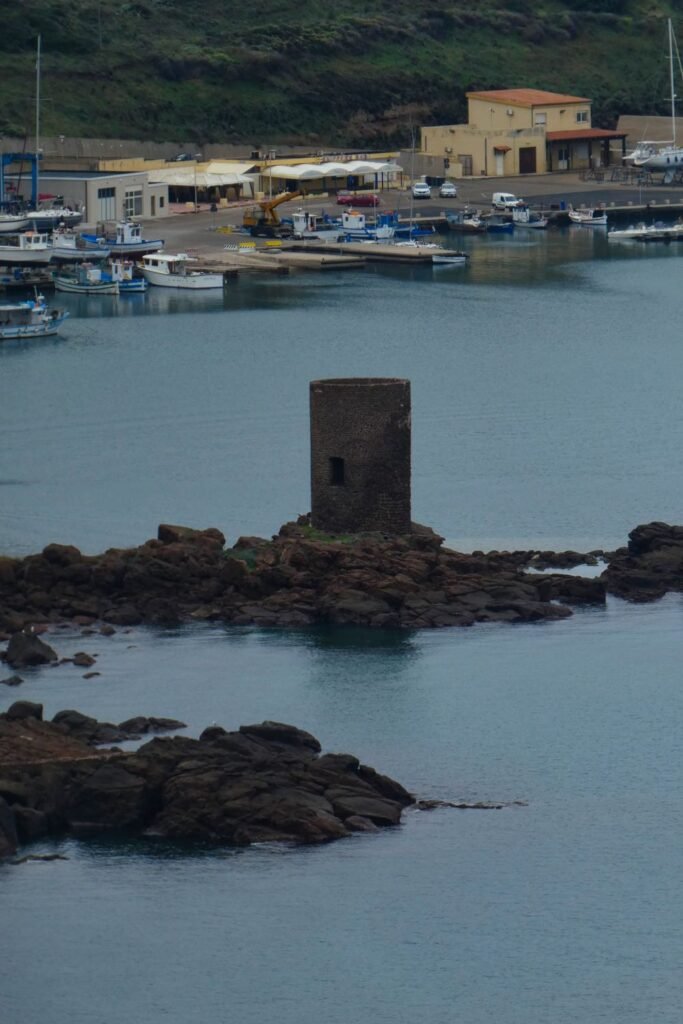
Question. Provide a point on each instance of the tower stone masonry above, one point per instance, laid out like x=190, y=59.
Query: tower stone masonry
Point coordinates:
x=360, y=455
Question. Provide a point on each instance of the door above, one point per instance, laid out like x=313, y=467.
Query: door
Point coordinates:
x=500, y=164
x=563, y=158
x=153, y=205
x=527, y=160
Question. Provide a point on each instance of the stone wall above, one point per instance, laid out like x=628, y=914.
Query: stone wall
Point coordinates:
x=360, y=455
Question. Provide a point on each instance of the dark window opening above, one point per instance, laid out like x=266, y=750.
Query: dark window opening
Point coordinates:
x=336, y=471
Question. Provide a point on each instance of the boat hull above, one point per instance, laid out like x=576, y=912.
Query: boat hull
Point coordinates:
x=50, y=326
x=12, y=225
x=191, y=282
x=12, y=256
x=67, y=284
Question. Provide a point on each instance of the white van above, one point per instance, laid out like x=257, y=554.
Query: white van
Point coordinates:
x=505, y=201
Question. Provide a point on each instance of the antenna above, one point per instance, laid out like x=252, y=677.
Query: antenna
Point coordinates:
x=37, y=122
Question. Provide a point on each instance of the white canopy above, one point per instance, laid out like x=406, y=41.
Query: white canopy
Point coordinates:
x=202, y=175
x=307, y=172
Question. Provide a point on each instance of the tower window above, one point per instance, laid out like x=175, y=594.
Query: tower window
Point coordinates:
x=336, y=471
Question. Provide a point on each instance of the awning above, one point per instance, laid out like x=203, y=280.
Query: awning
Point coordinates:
x=333, y=169
x=501, y=149
x=202, y=179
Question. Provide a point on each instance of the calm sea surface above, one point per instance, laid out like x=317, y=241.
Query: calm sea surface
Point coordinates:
x=546, y=380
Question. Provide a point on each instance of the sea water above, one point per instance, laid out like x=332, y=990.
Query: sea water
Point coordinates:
x=546, y=413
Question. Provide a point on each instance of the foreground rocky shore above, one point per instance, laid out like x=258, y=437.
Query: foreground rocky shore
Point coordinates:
x=302, y=578
x=262, y=783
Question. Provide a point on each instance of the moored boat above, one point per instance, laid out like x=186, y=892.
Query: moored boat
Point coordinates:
x=355, y=228
x=86, y=279
x=176, y=271
x=30, y=247
x=307, y=225
x=465, y=222
x=123, y=272
x=127, y=240
x=49, y=218
x=524, y=217
x=30, y=319
x=448, y=257
x=498, y=223
x=12, y=222
x=68, y=245
x=588, y=216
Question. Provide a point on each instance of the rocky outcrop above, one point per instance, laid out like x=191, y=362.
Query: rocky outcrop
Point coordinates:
x=298, y=578
x=25, y=649
x=650, y=566
x=264, y=782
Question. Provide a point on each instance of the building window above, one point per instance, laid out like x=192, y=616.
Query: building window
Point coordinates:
x=106, y=204
x=540, y=119
x=132, y=203
x=162, y=202
x=337, y=471
x=582, y=117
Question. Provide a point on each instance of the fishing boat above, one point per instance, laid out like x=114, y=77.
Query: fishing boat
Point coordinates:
x=51, y=217
x=656, y=232
x=588, y=216
x=355, y=228
x=29, y=319
x=86, y=279
x=123, y=272
x=26, y=277
x=127, y=240
x=27, y=247
x=466, y=222
x=497, y=223
x=176, y=271
x=524, y=217
x=68, y=245
x=307, y=225
x=658, y=156
x=13, y=222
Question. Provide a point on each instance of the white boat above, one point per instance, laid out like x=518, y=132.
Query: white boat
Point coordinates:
x=446, y=258
x=591, y=217
x=68, y=245
x=127, y=240
x=657, y=232
x=175, y=271
x=355, y=228
x=655, y=156
x=523, y=217
x=28, y=247
x=13, y=222
x=52, y=217
x=306, y=225
x=30, y=319
x=123, y=271
x=86, y=279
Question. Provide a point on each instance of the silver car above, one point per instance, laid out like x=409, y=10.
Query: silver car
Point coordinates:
x=448, y=190
x=421, y=190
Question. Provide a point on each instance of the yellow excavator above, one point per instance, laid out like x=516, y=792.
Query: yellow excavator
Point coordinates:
x=264, y=219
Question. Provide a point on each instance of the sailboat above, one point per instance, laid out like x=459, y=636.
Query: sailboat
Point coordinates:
x=652, y=155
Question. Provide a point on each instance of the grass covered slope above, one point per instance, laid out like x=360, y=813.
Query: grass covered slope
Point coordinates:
x=355, y=72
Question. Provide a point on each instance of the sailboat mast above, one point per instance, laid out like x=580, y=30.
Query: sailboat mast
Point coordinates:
x=673, y=92
x=37, y=121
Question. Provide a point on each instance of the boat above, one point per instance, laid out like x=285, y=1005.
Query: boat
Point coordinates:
x=13, y=222
x=123, y=272
x=26, y=277
x=656, y=232
x=588, y=216
x=448, y=258
x=307, y=225
x=52, y=217
x=465, y=221
x=29, y=319
x=524, y=217
x=498, y=223
x=655, y=156
x=175, y=271
x=68, y=245
x=355, y=228
x=86, y=279
x=127, y=240
x=27, y=247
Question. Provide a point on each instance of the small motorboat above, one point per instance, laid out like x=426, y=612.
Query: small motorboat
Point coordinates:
x=524, y=217
x=29, y=319
x=449, y=258
x=127, y=240
x=30, y=247
x=588, y=216
x=498, y=223
x=69, y=246
x=176, y=271
x=123, y=272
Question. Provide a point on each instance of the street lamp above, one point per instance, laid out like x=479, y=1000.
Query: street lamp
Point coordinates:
x=197, y=156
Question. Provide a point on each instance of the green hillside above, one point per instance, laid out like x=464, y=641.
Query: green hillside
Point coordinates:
x=354, y=72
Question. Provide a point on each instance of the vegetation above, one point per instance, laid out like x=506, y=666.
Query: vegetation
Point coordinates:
x=356, y=72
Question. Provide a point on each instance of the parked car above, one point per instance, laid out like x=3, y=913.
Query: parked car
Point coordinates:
x=357, y=199
x=421, y=190
x=448, y=190
x=505, y=201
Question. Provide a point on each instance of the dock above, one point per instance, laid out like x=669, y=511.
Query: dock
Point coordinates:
x=374, y=252
x=277, y=259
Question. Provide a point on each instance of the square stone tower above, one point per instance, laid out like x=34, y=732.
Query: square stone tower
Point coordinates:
x=360, y=455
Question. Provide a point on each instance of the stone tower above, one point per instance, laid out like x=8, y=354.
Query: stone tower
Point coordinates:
x=360, y=455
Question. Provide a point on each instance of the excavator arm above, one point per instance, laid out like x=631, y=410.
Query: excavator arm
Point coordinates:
x=265, y=216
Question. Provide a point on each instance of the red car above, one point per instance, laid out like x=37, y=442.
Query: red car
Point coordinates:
x=357, y=199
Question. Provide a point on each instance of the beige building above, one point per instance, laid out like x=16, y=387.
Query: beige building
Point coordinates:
x=520, y=131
